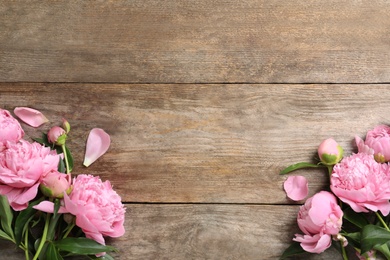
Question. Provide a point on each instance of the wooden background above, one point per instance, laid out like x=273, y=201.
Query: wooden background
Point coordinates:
x=205, y=102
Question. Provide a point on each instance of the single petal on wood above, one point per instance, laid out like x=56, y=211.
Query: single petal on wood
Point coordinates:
x=30, y=116
x=97, y=144
x=296, y=187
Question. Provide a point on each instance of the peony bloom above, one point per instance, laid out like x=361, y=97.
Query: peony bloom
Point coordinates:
x=54, y=184
x=378, y=140
x=10, y=129
x=363, y=183
x=330, y=152
x=319, y=218
x=296, y=187
x=98, y=208
x=21, y=167
x=56, y=135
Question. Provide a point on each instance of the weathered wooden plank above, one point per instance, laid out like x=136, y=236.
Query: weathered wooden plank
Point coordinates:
x=205, y=143
x=195, y=41
x=206, y=232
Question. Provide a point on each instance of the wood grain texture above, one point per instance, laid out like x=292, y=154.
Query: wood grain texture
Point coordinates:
x=205, y=143
x=203, y=41
x=205, y=232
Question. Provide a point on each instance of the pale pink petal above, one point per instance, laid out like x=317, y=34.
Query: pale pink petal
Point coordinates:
x=296, y=187
x=97, y=144
x=30, y=116
x=48, y=206
x=362, y=147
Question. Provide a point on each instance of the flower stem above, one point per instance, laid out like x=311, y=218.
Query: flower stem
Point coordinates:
x=70, y=227
x=26, y=245
x=43, y=239
x=382, y=221
x=343, y=251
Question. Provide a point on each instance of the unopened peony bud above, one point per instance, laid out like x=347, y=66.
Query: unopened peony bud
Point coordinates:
x=65, y=125
x=57, y=135
x=54, y=184
x=330, y=152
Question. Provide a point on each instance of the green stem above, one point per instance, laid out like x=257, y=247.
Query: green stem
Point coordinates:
x=26, y=245
x=70, y=227
x=382, y=221
x=343, y=251
x=43, y=239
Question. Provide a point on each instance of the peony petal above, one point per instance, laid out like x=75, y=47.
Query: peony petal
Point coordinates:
x=296, y=187
x=97, y=144
x=48, y=206
x=30, y=116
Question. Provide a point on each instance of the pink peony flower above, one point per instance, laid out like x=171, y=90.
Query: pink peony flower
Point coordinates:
x=21, y=167
x=296, y=187
x=319, y=218
x=330, y=152
x=363, y=183
x=54, y=184
x=10, y=129
x=98, y=208
x=378, y=140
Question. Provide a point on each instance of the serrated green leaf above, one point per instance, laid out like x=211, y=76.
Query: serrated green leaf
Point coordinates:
x=355, y=218
x=294, y=249
x=373, y=236
x=82, y=246
x=300, y=165
x=6, y=216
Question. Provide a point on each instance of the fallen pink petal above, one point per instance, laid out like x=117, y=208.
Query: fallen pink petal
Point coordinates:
x=30, y=116
x=97, y=144
x=296, y=187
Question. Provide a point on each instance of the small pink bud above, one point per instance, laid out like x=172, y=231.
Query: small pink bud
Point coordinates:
x=330, y=152
x=54, y=184
x=57, y=135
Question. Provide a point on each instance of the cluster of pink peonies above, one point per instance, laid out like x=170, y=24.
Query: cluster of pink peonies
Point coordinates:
x=30, y=174
x=359, y=193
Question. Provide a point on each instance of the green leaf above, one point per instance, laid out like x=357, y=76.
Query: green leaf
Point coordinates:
x=300, y=165
x=353, y=238
x=384, y=249
x=355, y=218
x=52, y=252
x=105, y=257
x=373, y=236
x=6, y=216
x=61, y=166
x=44, y=141
x=5, y=236
x=82, y=246
x=70, y=158
x=23, y=220
x=294, y=249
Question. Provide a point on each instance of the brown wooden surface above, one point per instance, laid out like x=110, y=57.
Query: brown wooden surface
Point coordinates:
x=195, y=153
x=195, y=41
